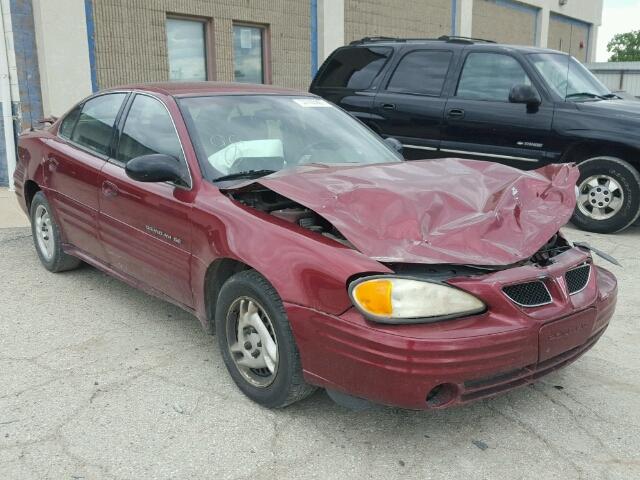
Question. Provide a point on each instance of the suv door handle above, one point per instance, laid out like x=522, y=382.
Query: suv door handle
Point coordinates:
x=388, y=106
x=109, y=189
x=455, y=113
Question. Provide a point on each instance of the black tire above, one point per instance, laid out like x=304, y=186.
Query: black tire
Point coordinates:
x=629, y=180
x=288, y=385
x=58, y=260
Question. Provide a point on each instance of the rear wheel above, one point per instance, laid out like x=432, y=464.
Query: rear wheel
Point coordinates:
x=46, y=237
x=608, y=195
x=256, y=341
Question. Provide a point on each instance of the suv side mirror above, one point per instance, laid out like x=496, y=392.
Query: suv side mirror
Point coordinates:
x=155, y=168
x=525, y=94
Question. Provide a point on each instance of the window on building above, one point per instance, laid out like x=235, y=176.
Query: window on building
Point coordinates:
x=95, y=123
x=354, y=67
x=421, y=72
x=148, y=129
x=186, y=46
x=249, y=54
x=490, y=76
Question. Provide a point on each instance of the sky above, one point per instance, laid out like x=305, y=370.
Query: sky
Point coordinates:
x=618, y=16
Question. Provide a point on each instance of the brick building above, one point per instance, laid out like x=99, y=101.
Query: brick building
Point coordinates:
x=59, y=51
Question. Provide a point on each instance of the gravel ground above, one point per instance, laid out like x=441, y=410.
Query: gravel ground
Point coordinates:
x=98, y=380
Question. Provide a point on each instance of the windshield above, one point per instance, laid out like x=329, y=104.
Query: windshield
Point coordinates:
x=263, y=133
x=568, y=77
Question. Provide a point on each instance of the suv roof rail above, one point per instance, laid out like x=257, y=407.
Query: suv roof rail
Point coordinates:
x=459, y=39
x=443, y=38
x=376, y=39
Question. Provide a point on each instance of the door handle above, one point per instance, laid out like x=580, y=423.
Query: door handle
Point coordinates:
x=455, y=113
x=109, y=189
x=388, y=106
x=52, y=163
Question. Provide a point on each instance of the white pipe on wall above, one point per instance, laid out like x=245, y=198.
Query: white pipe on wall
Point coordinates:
x=5, y=98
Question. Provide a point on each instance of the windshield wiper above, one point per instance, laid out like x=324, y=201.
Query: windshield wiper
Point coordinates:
x=244, y=174
x=584, y=94
x=610, y=96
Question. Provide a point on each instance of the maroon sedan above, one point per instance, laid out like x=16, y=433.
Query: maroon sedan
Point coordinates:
x=316, y=254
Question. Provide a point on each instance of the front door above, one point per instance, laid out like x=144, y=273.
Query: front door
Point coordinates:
x=481, y=122
x=146, y=227
x=73, y=161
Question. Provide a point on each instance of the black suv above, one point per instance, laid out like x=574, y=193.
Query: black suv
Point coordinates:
x=522, y=106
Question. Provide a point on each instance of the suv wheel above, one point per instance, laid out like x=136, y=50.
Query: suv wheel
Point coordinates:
x=608, y=195
x=46, y=237
x=256, y=342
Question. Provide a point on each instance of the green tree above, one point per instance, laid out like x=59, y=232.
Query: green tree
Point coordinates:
x=625, y=47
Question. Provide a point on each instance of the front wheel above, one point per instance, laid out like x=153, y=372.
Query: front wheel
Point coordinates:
x=608, y=195
x=256, y=341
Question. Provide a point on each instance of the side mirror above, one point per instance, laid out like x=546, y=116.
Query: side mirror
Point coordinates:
x=394, y=143
x=525, y=94
x=155, y=168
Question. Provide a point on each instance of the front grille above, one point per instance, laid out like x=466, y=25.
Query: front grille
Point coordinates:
x=577, y=278
x=530, y=294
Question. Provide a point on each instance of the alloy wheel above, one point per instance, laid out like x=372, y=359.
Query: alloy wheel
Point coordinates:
x=44, y=232
x=252, y=342
x=600, y=197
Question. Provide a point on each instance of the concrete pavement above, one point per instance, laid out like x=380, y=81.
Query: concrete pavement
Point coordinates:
x=100, y=381
x=11, y=215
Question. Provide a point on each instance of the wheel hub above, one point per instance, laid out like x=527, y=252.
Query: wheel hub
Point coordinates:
x=600, y=197
x=252, y=342
x=44, y=232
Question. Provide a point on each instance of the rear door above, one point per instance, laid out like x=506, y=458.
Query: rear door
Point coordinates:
x=410, y=103
x=350, y=76
x=146, y=227
x=73, y=161
x=481, y=122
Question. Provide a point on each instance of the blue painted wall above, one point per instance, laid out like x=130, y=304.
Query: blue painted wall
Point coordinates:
x=24, y=40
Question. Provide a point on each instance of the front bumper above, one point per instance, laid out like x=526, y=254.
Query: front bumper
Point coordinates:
x=458, y=361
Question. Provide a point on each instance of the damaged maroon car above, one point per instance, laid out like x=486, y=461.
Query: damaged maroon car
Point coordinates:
x=315, y=253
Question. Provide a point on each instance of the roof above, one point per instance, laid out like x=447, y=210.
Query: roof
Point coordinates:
x=461, y=42
x=186, y=89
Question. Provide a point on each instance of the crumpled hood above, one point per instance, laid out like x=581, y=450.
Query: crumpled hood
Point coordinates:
x=436, y=211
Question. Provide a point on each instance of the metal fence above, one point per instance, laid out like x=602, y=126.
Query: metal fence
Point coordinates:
x=619, y=76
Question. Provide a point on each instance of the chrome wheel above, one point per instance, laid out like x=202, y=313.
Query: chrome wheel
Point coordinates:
x=600, y=197
x=44, y=232
x=252, y=342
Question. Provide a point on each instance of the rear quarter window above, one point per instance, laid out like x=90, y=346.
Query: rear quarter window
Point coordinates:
x=69, y=122
x=354, y=67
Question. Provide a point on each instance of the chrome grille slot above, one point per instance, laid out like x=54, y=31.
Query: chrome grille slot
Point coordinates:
x=577, y=278
x=529, y=294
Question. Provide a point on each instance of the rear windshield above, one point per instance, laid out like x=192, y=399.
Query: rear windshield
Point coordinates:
x=353, y=67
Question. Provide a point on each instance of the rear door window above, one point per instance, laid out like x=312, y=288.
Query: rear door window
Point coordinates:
x=94, y=127
x=422, y=72
x=490, y=76
x=354, y=67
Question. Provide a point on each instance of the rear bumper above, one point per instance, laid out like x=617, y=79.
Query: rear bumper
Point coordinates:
x=467, y=359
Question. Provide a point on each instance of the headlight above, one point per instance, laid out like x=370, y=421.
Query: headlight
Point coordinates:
x=404, y=300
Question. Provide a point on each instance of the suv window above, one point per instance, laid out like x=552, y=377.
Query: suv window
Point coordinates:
x=490, y=76
x=95, y=123
x=353, y=67
x=148, y=129
x=68, y=122
x=422, y=71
